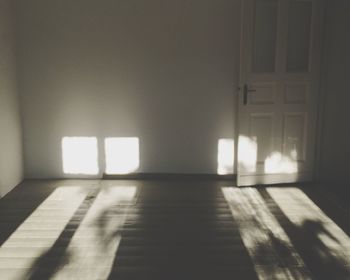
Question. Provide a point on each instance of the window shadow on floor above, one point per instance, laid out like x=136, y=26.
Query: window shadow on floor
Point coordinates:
x=310, y=239
x=58, y=256
x=334, y=205
x=17, y=206
x=181, y=231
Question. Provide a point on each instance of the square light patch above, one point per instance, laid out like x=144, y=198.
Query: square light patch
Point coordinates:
x=80, y=155
x=122, y=155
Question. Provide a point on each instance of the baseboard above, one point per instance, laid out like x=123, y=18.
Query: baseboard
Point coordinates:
x=169, y=176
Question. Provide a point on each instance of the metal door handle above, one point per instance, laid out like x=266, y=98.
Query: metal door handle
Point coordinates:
x=246, y=90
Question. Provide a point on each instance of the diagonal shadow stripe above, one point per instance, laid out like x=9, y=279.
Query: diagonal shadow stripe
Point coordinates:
x=56, y=257
x=16, y=210
x=330, y=206
x=305, y=238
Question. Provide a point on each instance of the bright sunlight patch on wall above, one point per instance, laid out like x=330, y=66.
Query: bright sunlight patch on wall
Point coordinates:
x=247, y=153
x=80, y=155
x=278, y=163
x=122, y=155
x=225, y=156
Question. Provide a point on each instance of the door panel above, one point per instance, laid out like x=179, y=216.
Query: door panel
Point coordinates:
x=265, y=30
x=280, y=55
x=263, y=94
x=299, y=28
x=261, y=131
x=294, y=135
x=296, y=93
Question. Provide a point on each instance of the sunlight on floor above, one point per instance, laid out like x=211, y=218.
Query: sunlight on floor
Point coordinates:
x=79, y=155
x=38, y=232
x=58, y=236
x=318, y=228
x=267, y=243
x=122, y=155
x=269, y=247
x=94, y=245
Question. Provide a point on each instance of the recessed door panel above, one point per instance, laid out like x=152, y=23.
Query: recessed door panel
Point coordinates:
x=294, y=136
x=265, y=36
x=264, y=93
x=296, y=93
x=299, y=30
x=261, y=126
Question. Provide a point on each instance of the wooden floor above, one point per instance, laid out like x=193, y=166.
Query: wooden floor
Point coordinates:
x=92, y=229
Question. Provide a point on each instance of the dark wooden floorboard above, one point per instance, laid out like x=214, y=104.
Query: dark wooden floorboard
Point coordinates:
x=105, y=229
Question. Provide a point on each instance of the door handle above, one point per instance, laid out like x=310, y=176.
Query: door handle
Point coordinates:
x=246, y=90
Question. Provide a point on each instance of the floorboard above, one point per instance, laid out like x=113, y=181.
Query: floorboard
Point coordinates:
x=170, y=229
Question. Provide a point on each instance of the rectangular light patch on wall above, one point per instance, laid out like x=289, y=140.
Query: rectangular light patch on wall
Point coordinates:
x=225, y=156
x=122, y=155
x=79, y=155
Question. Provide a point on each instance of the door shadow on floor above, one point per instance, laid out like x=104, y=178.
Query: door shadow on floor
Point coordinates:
x=310, y=240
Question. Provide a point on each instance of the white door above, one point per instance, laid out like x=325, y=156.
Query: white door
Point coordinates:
x=280, y=68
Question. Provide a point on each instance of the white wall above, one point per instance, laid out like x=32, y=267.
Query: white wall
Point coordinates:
x=336, y=126
x=10, y=124
x=161, y=70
